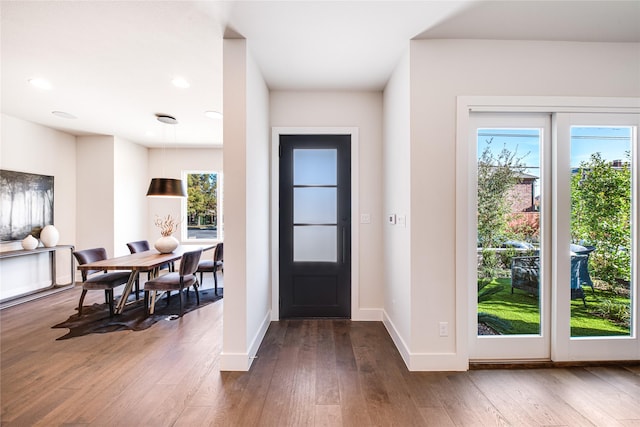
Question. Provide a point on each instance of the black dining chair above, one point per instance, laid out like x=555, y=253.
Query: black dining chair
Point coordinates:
x=103, y=281
x=141, y=246
x=176, y=281
x=213, y=265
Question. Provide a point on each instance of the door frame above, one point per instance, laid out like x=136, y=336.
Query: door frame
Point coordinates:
x=465, y=254
x=356, y=314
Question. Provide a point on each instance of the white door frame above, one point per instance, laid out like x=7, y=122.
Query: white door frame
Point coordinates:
x=356, y=313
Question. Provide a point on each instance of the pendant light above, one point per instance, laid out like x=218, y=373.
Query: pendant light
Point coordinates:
x=166, y=187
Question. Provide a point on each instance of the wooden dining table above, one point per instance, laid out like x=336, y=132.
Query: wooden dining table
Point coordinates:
x=147, y=261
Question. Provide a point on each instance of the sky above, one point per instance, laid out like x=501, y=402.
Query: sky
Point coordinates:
x=611, y=142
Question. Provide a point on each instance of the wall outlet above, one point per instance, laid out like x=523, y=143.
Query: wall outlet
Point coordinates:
x=444, y=329
x=365, y=219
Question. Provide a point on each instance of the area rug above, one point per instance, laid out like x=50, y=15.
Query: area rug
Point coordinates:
x=95, y=318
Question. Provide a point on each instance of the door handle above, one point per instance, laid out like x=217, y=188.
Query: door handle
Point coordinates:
x=344, y=243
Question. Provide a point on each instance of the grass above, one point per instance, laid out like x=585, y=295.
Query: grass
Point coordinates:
x=521, y=312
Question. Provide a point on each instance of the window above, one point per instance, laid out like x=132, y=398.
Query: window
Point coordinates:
x=202, y=209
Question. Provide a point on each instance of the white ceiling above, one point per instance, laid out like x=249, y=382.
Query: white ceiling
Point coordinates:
x=111, y=62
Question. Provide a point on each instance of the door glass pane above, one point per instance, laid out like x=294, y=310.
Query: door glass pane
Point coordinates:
x=508, y=243
x=314, y=205
x=601, y=234
x=315, y=243
x=315, y=166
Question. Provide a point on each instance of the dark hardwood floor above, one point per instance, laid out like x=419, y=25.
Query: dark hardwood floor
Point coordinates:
x=308, y=373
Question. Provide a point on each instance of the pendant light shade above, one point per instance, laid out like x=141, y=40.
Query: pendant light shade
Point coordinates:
x=166, y=187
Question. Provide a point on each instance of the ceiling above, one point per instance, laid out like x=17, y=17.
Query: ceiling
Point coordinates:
x=111, y=63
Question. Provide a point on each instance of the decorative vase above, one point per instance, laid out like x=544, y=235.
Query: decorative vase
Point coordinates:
x=166, y=244
x=29, y=243
x=49, y=236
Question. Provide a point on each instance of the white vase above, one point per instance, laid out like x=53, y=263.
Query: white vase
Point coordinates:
x=29, y=243
x=166, y=244
x=49, y=236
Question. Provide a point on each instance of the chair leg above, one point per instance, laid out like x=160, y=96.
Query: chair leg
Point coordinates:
x=201, y=277
x=146, y=303
x=215, y=281
x=109, y=294
x=84, y=294
x=181, y=302
x=195, y=287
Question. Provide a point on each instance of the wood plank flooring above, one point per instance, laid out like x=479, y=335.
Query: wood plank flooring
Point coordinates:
x=308, y=373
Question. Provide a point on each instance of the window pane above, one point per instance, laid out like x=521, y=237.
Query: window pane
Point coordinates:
x=510, y=275
x=314, y=205
x=601, y=212
x=315, y=243
x=202, y=206
x=315, y=166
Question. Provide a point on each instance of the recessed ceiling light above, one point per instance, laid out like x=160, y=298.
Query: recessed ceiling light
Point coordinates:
x=165, y=118
x=41, y=83
x=213, y=114
x=180, y=82
x=63, y=114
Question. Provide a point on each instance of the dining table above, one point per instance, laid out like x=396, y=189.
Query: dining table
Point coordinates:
x=146, y=261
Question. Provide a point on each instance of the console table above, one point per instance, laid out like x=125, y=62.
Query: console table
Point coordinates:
x=52, y=266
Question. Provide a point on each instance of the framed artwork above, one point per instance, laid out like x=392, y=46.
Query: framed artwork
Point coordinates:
x=26, y=204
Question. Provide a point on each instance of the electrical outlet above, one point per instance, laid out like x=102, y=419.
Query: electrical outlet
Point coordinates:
x=444, y=329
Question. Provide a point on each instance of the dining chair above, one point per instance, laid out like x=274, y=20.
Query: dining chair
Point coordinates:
x=141, y=246
x=103, y=281
x=175, y=281
x=213, y=265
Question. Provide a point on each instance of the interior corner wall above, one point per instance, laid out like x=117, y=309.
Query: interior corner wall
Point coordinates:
x=130, y=188
x=440, y=71
x=258, y=186
x=246, y=197
x=361, y=109
x=396, y=155
x=95, y=193
x=32, y=148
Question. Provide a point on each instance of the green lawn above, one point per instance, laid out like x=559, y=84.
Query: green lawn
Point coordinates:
x=521, y=312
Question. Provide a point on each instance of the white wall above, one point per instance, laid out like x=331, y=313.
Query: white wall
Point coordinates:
x=246, y=148
x=258, y=241
x=362, y=110
x=440, y=71
x=170, y=163
x=131, y=180
x=396, y=156
x=95, y=193
x=28, y=147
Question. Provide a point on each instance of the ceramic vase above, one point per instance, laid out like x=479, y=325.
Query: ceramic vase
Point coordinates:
x=29, y=243
x=49, y=236
x=166, y=244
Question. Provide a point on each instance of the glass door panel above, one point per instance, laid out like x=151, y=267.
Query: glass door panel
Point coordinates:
x=512, y=299
x=601, y=231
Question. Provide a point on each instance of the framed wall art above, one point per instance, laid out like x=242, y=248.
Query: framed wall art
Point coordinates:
x=26, y=204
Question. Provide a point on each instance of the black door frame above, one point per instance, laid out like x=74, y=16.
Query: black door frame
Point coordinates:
x=356, y=314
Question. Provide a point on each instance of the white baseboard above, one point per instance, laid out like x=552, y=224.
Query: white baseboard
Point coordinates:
x=424, y=361
x=242, y=361
x=367, y=315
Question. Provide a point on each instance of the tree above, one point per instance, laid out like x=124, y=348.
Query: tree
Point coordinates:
x=601, y=216
x=202, y=203
x=497, y=174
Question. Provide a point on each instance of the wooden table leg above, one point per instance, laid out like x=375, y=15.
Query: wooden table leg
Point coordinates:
x=127, y=290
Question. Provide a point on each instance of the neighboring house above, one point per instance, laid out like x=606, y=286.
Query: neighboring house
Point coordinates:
x=522, y=194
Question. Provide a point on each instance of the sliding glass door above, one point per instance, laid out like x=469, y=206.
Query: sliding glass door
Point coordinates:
x=597, y=184
x=557, y=236
x=512, y=303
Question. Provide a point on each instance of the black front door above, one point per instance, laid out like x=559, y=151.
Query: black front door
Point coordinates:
x=315, y=226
